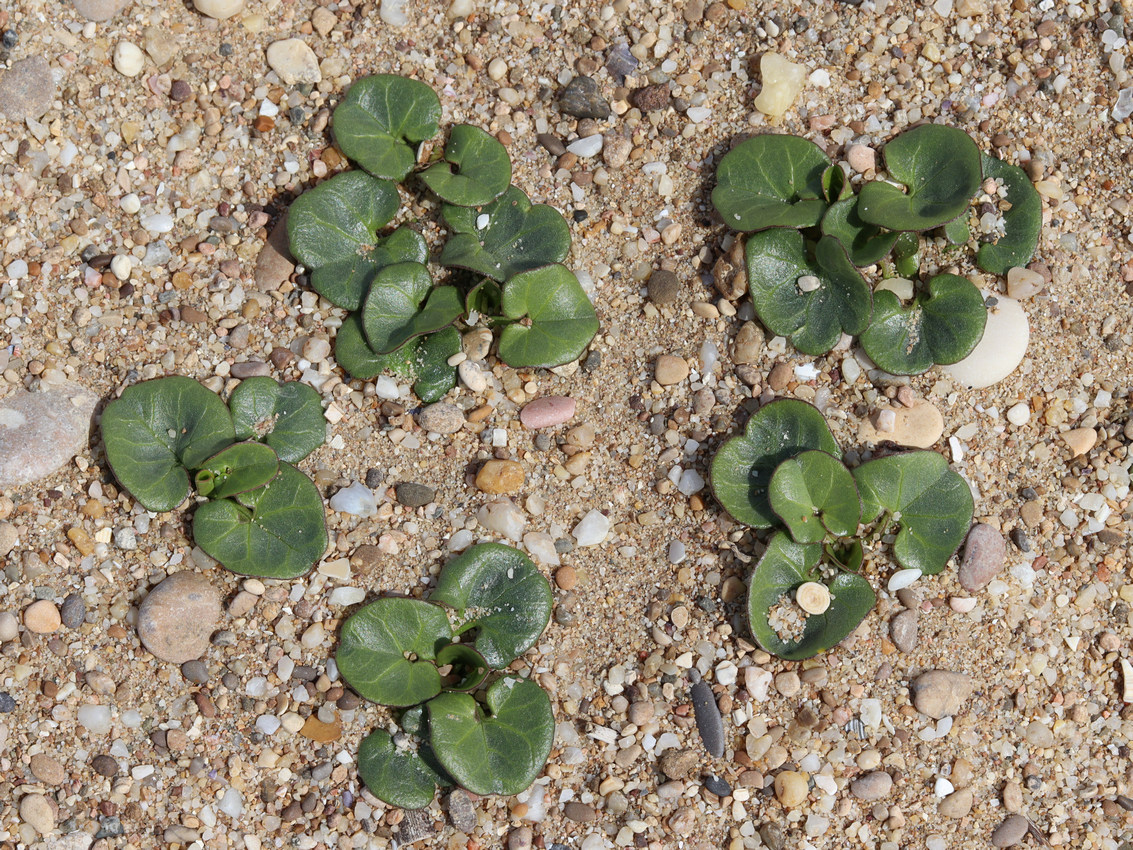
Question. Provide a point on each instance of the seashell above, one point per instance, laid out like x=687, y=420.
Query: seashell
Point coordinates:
x=813, y=597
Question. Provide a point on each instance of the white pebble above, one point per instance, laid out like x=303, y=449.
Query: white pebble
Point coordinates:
x=1019, y=414
x=94, y=718
x=697, y=114
x=472, y=376
x=356, y=500
x=943, y=788
x=385, y=387
x=902, y=579
x=121, y=265
x=1000, y=351
x=128, y=59
x=541, y=547
x=460, y=541
x=482, y=221
x=502, y=517
x=726, y=673
x=232, y=803
x=347, y=596
x=392, y=12
x=159, y=223
x=690, y=482
x=587, y=146
x=17, y=269
x=676, y=551
x=591, y=529
x=268, y=724
x=130, y=204
x=808, y=283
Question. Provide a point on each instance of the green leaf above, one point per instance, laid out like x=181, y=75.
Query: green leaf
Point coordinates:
x=469, y=669
x=374, y=645
x=942, y=325
x=498, y=752
x=931, y=502
x=476, y=168
x=865, y=243
x=333, y=232
x=786, y=565
x=406, y=777
x=742, y=468
x=287, y=416
x=486, y=298
x=835, y=186
x=771, y=181
x=1022, y=223
x=506, y=237
x=237, y=469
x=956, y=232
x=435, y=376
x=907, y=255
x=815, y=320
x=499, y=591
x=394, y=314
x=276, y=531
x=380, y=118
x=558, y=319
x=814, y=494
x=939, y=165
x=353, y=353
x=157, y=431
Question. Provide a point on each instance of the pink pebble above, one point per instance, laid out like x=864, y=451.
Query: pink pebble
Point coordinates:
x=547, y=412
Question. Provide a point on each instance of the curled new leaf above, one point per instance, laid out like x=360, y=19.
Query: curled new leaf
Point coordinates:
x=380, y=118
x=865, y=243
x=237, y=469
x=476, y=168
x=557, y=320
x=288, y=416
x=771, y=181
x=1022, y=222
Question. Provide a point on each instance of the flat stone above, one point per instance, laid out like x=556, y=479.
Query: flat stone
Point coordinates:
x=547, y=412
x=664, y=287
x=37, y=813
x=522, y=838
x=73, y=611
x=461, y=810
x=919, y=426
x=1022, y=283
x=873, y=786
x=709, y=723
x=47, y=769
x=985, y=552
x=957, y=804
x=99, y=10
x=1000, y=350
x=441, y=418
x=27, y=89
x=274, y=265
x=294, y=61
x=941, y=693
x=9, y=538
x=219, y=9
x=160, y=44
x=582, y=98
x=417, y=825
x=903, y=630
x=580, y=812
x=1010, y=832
x=41, y=431
x=670, y=369
x=42, y=617
x=500, y=476
x=178, y=616
x=414, y=495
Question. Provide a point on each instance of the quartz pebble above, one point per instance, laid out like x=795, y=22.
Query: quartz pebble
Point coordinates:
x=941, y=693
x=294, y=62
x=1023, y=283
x=178, y=616
x=791, y=788
x=42, y=617
x=37, y=813
x=985, y=552
x=356, y=500
x=1010, y=832
x=919, y=426
x=872, y=786
x=500, y=476
x=547, y=412
x=219, y=9
x=9, y=626
x=1080, y=440
x=9, y=538
x=1000, y=350
x=27, y=89
x=99, y=10
x=782, y=82
x=41, y=431
x=502, y=517
x=592, y=529
x=128, y=59
x=957, y=804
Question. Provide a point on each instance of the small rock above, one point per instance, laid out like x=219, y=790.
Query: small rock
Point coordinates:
x=985, y=552
x=717, y=786
x=37, y=813
x=323, y=20
x=42, y=617
x=219, y=9
x=582, y=98
x=970, y=8
x=547, y=412
x=1039, y=735
x=1000, y=350
x=502, y=517
x=641, y=712
x=9, y=626
x=782, y=82
x=580, y=812
x=105, y=766
x=779, y=376
x=872, y=786
x=709, y=723
x=128, y=59
x=651, y=98
x=669, y=369
x=414, y=495
x=356, y=500
x=500, y=476
x=417, y=824
x=9, y=538
x=903, y=630
x=862, y=158
x=73, y=611
x=274, y=264
x=1080, y=440
x=1010, y=832
x=472, y=376
x=1012, y=797
x=178, y=616
x=523, y=837
x=747, y=348
x=41, y=431
x=161, y=45
x=294, y=62
x=461, y=810
x=941, y=693
x=1023, y=283
x=919, y=426
x=616, y=150
x=441, y=417
x=679, y=764
x=99, y=10
x=791, y=788
x=27, y=90
x=957, y=804
x=316, y=349
x=47, y=769
x=664, y=287
x=592, y=529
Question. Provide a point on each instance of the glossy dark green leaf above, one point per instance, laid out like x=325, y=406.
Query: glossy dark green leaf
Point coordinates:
x=476, y=168
x=813, y=320
x=435, y=376
x=865, y=243
x=771, y=180
x=387, y=649
x=236, y=469
x=276, y=531
x=403, y=304
x=501, y=593
x=742, y=468
x=835, y=186
x=157, y=431
x=497, y=751
x=940, y=168
x=557, y=320
x=932, y=504
x=907, y=255
x=956, y=232
x=786, y=565
x=333, y=232
x=469, y=669
x=353, y=353
x=942, y=325
x=1022, y=223
x=287, y=416
x=814, y=494
x=403, y=776
x=381, y=118
x=505, y=237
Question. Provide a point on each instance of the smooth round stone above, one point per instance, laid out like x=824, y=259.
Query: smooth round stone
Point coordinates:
x=99, y=10
x=547, y=412
x=1080, y=440
x=42, y=617
x=178, y=616
x=414, y=495
x=1000, y=351
x=957, y=804
x=128, y=59
x=316, y=349
x=985, y=552
x=27, y=89
x=903, y=630
x=872, y=787
x=500, y=476
x=294, y=62
x=941, y=693
x=1010, y=832
x=919, y=426
x=1023, y=283
x=37, y=813
x=41, y=431
x=861, y=158
x=664, y=287
x=47, y=769
x=441, y=417
x=791, y=788
x=219, y=9
x=670, y=369
x=9, y=626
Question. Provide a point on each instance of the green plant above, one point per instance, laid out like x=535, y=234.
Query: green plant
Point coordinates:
x=408, y=653
x=809, y=236
x=262, y=516
x=502, y=253
x=784, y=471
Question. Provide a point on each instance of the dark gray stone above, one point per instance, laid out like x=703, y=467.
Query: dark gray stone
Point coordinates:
x=414, y=495
x=708, y=720
x=582, y=98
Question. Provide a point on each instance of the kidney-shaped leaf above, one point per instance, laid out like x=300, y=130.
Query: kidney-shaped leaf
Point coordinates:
x=941, y=168
x=435, y=376
x=865, y=243
x=159, y=429
x=406, y=777
x=499, y=591
x=386, y=650
x=380, y=118
x=942, y=325
x=500, y=752
x=332, y=230
x=288, y=416
x=394, y=312
x=556, y=319
x=772, y=180
x=506, y=237
x=813, y=493
x=741, y=470
x=476, y=168
x=932, y=503
x=1022, y=222
x=237, y=469
x=353, y=352
x=784, y=566
x=276, y=531
x=813, y=318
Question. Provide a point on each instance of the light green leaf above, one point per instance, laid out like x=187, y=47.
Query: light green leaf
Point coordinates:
x=1022, y=223
x=236, y=469
x=406, y=777
x=814, y=494
x=476, y=168
x=557, y=320
x=380, y=118
x=771, y=180
x=287, y=416
x=393, y=313
x=956, y=231
x=865, y=243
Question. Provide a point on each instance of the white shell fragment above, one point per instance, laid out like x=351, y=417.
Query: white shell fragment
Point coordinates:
x=1001, y=350
x=808, y=283
x=813, y=597
x=1126, y=681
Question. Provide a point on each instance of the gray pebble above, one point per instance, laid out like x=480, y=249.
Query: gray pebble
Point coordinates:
x=27, y=89
x=708, y=720
x=250, y=369
x=99, y=10
x=1010, y=832
x=872, y=786
x=619, y=62
x=772, y=835
x=414, y=495
x=551, y=143
x=664, y=287
x=941, y=693
x=903, y=630
x=195, y=671
x=580, y=812
x=717, y=786
x=582, y=98
x=441, y=417
x=73, y=611
x=984, y=555
x=43, y=430
x=417, y=825
x=461, y=810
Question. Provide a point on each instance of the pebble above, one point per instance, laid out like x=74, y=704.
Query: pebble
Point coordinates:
x=862, y=158
x=782, y=82
x=316, y=349
x=128, y=59
x=1080, y=440
x=500, y=476
x=37, y=813
x=219, y=9
x=957, y=804
x=523, y=837
x=47, y=769
x=461, y=810
x=1010, y=832
x=586, y=147
x=414, y=495
x=941, y=693
x=356, y=500
x=502, y=517
x=7, y=704
x=903, y=630
x=791, y=788
x=566, y=577
x=1000, y=351
x=651, y=98
x=274, y=265
x=99, y=10
x=616, y=150
x=294, y=62
x=985, y=552
x=664, y=287
x=27, y=89
x=582, y=98
x=41, y=431
x=747, y=348
x=9, y=626
x=9, y=538
x=178, y=616
x=592, y=529
x=104, y=765
x=195, y=671
x=472, y=376
x=1023, y=283
x=42, y=617
x=919, y=426
x=669, y=369
x=717, y=786
x=580, y=812
x=679, y=764
x=1019, y=414
x=872, y=786
x=709, y=723
x=442, y=418
x=73, y=611
x=547, y=412
x=1038, y=734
